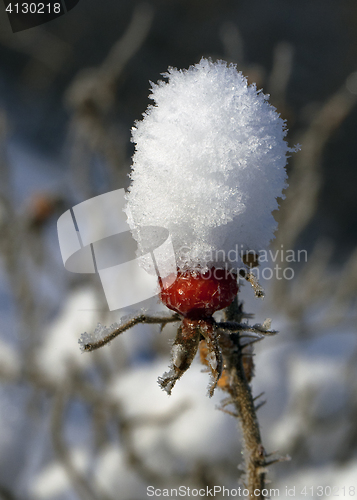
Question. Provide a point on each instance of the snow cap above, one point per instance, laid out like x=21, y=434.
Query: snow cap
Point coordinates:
x=209, y=164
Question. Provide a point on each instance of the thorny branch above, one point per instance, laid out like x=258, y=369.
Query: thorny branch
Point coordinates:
x=236, y=383
x=226, y=349
x=241, y=396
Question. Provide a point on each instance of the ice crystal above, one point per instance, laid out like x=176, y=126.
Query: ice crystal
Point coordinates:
x=100, y=333
x=209, y=164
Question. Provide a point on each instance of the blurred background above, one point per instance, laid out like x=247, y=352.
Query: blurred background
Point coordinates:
x=97, y=426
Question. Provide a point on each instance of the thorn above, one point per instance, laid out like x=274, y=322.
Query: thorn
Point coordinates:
x=259, y=396
x=256, y=408
x=287, y=458
x=227, y=401
x=231, y=413
x=252, y=342
x=272, y=453
x=251, y=335
x=248, y=315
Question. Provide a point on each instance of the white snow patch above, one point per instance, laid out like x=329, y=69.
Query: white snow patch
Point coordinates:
x=60, y=347
x=209, y=165
x=196, y=431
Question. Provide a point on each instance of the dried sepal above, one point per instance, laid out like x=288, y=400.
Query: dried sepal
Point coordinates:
x=182, y=354
x=212, y=353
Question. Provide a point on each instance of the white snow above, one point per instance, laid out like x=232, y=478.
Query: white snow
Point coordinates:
x=53, y=480
x=60, y=350
x=113, y=474
x=196, y=429
x=209, y=164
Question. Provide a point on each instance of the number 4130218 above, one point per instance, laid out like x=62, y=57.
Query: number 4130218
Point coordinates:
x=34, y=8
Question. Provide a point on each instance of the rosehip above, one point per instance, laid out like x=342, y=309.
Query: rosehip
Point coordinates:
x=198, y=295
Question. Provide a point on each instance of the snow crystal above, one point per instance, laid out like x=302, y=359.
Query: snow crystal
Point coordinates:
x=209, y=165
x=100, y=333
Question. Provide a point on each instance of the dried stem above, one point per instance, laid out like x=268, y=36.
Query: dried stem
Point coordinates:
x=233, y=326
x=142, y=318
x=241, y=397
x=254, y=453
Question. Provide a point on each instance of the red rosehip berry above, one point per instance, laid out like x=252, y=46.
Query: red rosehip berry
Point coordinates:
x=198, y=295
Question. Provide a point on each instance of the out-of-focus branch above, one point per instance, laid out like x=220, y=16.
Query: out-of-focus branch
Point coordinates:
x=92, y=95
x=76, y=388
x=6, y=494
x=280, y=75
x=96, y=87
x=345, y=291
x=305, y=179
x=130, y=43
x=46, y=52
x=80, y=483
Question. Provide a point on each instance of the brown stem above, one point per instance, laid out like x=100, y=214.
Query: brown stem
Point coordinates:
x=241, y=396
x=88, y=346
x=254, y=453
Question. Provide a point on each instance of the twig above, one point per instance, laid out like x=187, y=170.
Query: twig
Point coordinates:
x=233, y=326
x=130, y=43
x=306, y=179
x=241, y=397
x=88, y=346
x=254, y=453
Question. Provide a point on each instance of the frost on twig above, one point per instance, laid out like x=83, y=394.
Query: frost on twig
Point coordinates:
x=256, y=331
x=87, y=340
x=102, y=335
